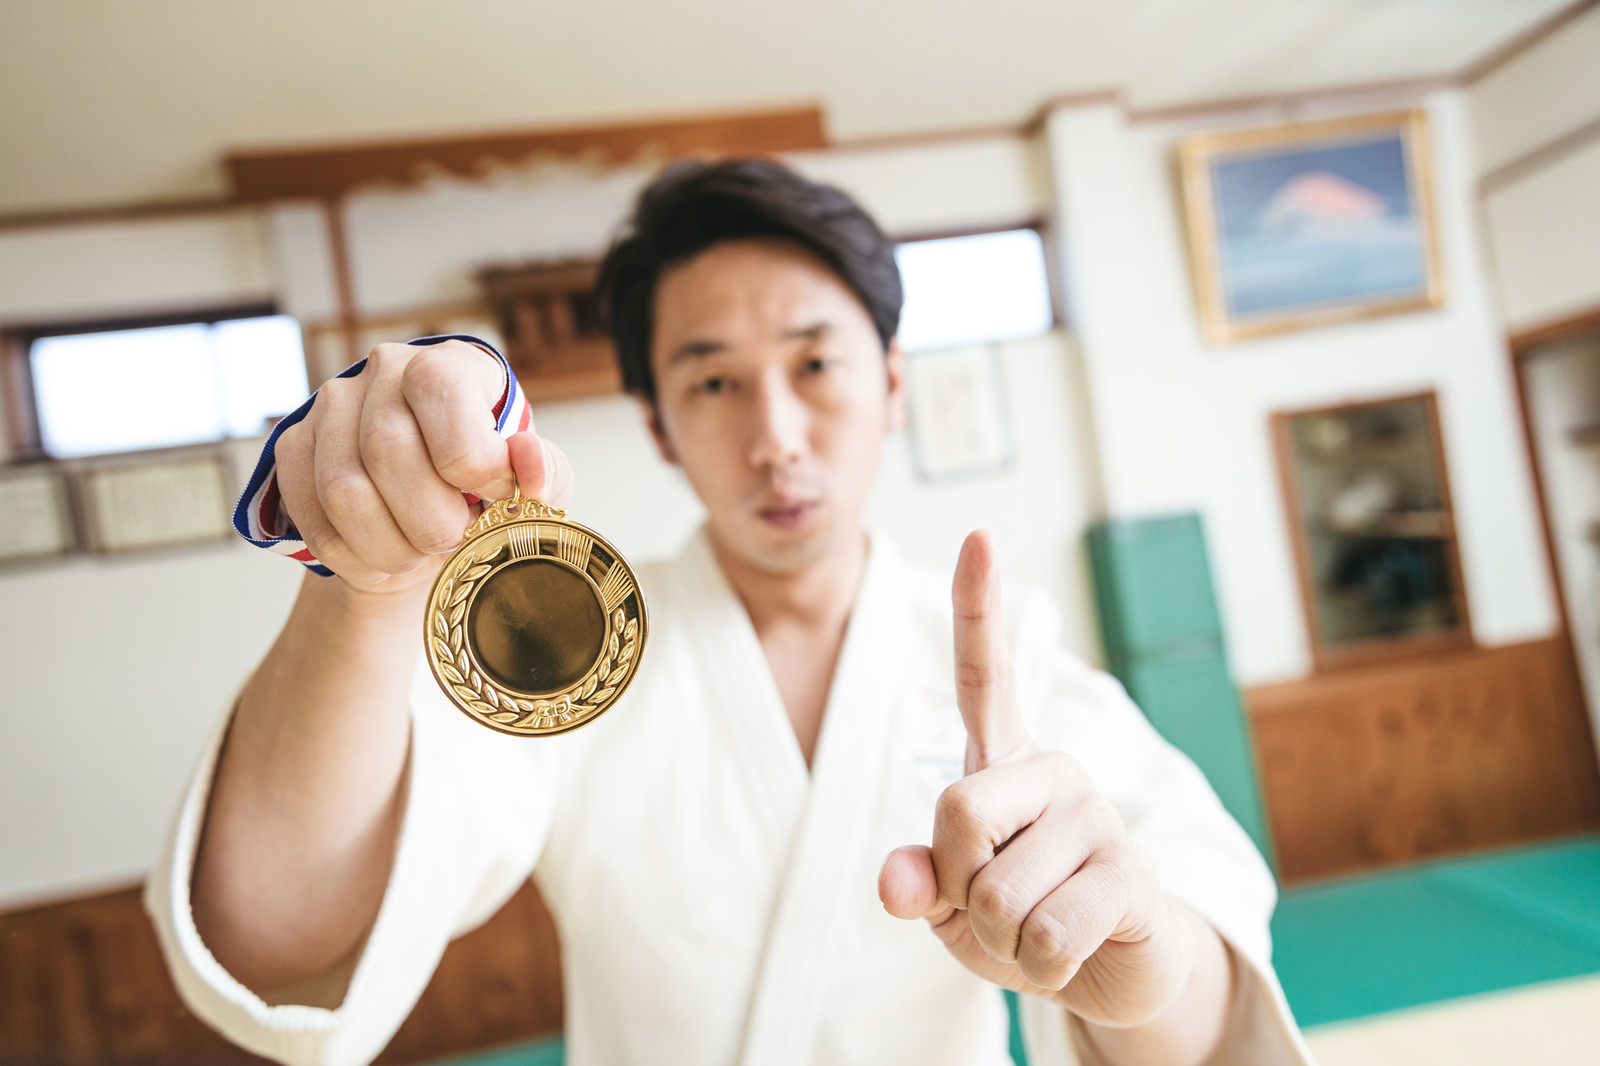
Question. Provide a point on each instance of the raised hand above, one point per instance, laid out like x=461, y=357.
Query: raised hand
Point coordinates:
x=373, y=476
x=1032, y=881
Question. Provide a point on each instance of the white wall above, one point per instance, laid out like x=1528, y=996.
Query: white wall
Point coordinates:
x=111, y=671
x=1180, y=425
x=1543, y=221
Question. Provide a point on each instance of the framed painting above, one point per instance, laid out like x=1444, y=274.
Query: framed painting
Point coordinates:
x=1309, y=224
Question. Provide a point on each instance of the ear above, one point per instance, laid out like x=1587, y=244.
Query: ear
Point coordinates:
x=652, y=422
x=895, y=362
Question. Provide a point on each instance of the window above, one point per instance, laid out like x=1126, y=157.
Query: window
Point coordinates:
x=104, y=389
x=977, y=289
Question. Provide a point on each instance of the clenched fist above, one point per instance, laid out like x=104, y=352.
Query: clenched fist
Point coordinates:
x=373, y=476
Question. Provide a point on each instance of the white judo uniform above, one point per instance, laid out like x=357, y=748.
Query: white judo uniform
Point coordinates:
x=717, y=903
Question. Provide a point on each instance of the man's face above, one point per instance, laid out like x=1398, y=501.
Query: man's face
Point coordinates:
x=774, y=394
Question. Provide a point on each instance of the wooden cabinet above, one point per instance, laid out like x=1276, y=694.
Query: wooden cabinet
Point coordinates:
x=1405, y=761
x=83, y=982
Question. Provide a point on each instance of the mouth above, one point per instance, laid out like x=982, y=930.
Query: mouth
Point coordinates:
x=788, y=515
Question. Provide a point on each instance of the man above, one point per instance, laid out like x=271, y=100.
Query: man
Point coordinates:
x=809, y=703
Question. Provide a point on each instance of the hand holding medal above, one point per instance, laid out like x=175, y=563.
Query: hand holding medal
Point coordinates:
x=534, y=624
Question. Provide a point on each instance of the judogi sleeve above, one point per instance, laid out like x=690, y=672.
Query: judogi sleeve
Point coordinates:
x=477, y=812
x=1205, y=859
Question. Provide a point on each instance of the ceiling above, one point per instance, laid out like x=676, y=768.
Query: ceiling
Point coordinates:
x=108, y=102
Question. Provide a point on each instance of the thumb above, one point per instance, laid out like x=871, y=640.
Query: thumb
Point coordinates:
x=541, y=468
x=985, y=693
x=907, y=886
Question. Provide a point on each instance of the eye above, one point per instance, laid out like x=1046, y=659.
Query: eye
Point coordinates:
x=712, y=385
x=816, y=364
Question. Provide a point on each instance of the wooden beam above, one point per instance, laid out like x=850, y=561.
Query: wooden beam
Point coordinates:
x=1504, y=53
x=343, y=277
x=330, y=172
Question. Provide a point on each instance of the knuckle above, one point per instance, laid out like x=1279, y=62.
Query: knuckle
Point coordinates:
x=1054, y=946
x=323, y=541
x=430, y=370
x=335, y=393
x=384, y=357
x=467, y=467
x=293, y=449
x=1103, y=818
x=996, y=898
x=437, y=538
x=961, y=804
x=342, y=487
x=1064, y=767
x=383, y=435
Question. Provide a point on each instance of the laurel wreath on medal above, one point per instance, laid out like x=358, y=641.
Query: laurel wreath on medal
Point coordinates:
x=450, y=645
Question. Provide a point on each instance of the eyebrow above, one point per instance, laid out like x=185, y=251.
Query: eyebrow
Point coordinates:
x=695, y=349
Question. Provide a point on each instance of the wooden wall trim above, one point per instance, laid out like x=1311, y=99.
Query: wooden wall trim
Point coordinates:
x=1393, y=87
x=329, y=172
x=1537, y=34
x=83, y=981
x=128, y=212
x=1537, y=159
x=1523, y=342
x=890, y=141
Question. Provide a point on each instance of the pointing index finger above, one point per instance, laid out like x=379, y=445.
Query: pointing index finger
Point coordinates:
x=984, y=690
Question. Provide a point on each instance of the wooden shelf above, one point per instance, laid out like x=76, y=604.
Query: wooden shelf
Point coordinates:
x=1405, y=525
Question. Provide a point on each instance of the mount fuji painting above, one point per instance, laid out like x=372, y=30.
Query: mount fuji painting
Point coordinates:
x=1309, y=228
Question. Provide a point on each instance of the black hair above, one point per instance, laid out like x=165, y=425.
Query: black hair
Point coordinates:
x=692, y=206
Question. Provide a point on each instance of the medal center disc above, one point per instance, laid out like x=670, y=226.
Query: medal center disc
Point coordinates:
x=536, y=626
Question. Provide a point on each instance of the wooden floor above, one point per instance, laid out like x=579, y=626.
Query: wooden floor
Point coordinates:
x=83, y=982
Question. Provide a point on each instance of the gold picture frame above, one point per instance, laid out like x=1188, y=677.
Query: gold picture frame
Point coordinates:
x=1310, y=224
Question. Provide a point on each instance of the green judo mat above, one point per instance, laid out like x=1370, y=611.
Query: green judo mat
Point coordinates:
x=1402, y=938
x=1454, y=927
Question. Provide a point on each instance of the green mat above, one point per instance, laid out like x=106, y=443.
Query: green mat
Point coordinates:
x=550, y=1052
x=1457, y=927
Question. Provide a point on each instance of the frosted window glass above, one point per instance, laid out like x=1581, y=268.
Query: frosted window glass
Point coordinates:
x=973, y=290
x=165, y=386
x=263, y=371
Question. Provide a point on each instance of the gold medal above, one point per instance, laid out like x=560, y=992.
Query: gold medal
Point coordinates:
x=535, y=624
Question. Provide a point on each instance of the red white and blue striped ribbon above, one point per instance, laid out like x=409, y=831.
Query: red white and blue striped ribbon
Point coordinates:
x=259, y=519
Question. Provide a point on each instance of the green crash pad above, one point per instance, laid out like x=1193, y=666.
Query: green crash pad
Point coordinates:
x=1455, y=927
x=1164, y=642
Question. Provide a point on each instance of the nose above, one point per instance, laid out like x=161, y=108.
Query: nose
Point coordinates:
x=780, y=423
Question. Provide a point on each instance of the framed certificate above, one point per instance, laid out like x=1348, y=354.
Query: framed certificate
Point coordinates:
x=958, y=413
x=154, y=502
x=35, y=520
